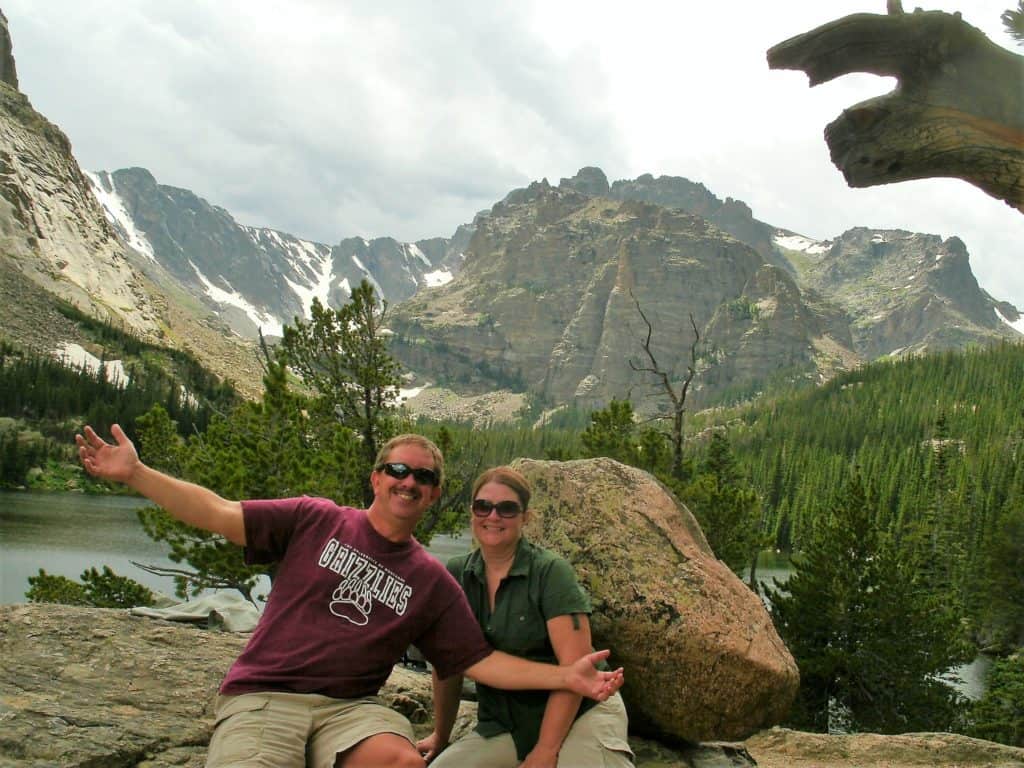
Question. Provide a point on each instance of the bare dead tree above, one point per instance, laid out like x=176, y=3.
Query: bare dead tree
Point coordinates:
x=676, y=398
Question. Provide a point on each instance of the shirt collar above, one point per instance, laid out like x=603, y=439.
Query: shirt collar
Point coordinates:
x=520, y=564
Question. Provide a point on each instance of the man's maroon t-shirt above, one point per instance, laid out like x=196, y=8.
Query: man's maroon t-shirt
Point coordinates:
x=345, y=604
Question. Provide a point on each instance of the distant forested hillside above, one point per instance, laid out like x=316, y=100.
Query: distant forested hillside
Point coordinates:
x=902, y=422
x=44, y=400
x=939, y=443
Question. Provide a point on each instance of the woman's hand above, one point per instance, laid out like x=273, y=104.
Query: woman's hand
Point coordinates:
x=431, y=746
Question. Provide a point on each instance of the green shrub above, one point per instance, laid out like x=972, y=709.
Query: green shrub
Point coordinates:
x=99, y=590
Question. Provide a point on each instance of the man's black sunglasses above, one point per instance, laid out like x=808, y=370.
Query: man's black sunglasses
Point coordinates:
x=483, y=507
x=400, y=471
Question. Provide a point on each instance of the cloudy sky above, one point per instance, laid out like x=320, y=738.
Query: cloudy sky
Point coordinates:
x=336, y=118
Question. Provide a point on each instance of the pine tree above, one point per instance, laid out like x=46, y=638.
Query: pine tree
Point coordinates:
x=728, y=509
x=1004, y=574
x=342, y=356
x=869, y=642
x=999, y=714
x=612, y=433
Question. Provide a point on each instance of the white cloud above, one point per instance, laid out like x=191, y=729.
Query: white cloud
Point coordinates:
x=330, y=120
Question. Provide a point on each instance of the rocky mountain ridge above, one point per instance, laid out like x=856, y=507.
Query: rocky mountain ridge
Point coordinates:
x=905, y=291
x=555, y=279
x=547, y=298
x=540, y=294
x=256, y=278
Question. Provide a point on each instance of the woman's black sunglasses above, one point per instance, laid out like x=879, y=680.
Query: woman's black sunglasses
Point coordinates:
x=483, y=507
x=400, y=471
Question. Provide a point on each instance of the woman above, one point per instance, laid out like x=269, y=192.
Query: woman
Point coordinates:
x=529, y=603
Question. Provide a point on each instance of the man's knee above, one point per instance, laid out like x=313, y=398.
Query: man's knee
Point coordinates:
x=384, y=749
x=407, y=759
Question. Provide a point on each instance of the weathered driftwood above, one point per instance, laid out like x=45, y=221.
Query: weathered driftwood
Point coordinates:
x=957, y=111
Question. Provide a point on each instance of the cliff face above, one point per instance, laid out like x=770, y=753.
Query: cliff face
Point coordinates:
x=51, y=226
x=775, y=331
x=53, y=233
x=907, y=292
x=8, y=71
x=547, y=300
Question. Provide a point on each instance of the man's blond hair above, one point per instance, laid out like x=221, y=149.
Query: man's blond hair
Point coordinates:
x=418, y=440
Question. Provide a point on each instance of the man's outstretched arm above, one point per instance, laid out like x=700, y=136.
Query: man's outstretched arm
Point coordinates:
x=501, y=670
x=190, y=503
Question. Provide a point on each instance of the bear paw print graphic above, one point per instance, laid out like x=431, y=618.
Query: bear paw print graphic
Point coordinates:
x=353, y=600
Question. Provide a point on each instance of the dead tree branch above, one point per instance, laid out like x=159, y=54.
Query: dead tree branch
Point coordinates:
x=196, y=580
x=958, y=110
x=678, y=399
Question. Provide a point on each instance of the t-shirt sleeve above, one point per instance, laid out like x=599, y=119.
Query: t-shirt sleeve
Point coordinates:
x=268, y=528
x=453, y=641
x=562, y=593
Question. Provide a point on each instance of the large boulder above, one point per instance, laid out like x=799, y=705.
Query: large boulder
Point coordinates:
x=703, y=661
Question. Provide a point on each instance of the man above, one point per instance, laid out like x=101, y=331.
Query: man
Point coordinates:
x=352, y=591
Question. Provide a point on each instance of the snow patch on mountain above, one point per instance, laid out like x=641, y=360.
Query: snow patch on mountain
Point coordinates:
x=320, y=288
x=1017, y=325
x=267, y=323
x=113, y=208
x=76, y=356
x=409, y=394
x=438, y=277
x=801, y=243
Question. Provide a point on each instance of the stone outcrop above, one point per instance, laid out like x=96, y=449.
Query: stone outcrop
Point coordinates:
x=906, y=292
x=8, y=71
x=703, y=657
x=783, y=748
x=97, y=688
x=546, y=300
x=101, y=688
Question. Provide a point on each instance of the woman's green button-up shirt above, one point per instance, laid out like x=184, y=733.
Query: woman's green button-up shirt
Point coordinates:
x=539, y=586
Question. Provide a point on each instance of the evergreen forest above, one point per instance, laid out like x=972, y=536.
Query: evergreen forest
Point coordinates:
x=44, y=400
x=896, y=490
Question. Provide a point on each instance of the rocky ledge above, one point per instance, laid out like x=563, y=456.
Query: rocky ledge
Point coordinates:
x=94, y=688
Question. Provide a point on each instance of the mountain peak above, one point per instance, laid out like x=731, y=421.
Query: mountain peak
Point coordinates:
x=8, y=72
x=589, y=181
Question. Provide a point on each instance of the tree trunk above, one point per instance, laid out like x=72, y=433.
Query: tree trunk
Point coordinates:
x=958, y=110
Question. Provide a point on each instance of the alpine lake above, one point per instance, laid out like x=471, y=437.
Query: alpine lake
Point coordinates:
x=65, y=534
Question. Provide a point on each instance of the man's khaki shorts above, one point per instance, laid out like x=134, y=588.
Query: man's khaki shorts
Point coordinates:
x=279, y=730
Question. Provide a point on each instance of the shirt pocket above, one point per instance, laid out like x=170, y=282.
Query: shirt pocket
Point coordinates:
x=524, y=634
x=610, y=728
